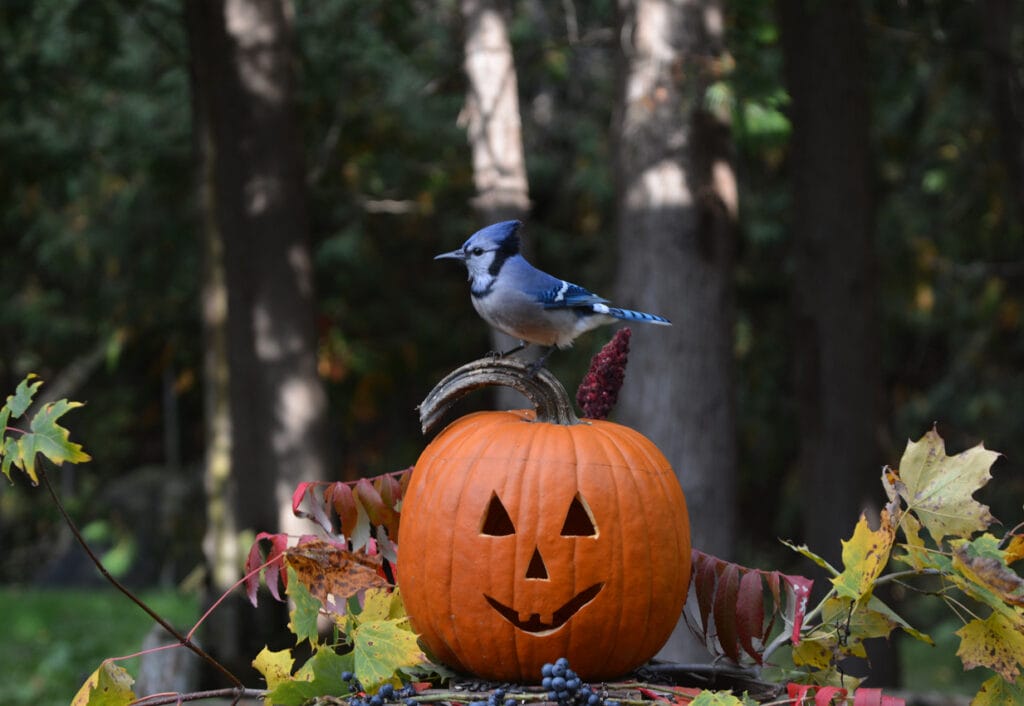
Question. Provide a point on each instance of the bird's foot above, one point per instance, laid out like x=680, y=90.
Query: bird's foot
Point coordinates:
x=504, y=354
x=536, y=365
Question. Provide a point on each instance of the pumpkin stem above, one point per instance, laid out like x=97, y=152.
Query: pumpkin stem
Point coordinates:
x=542, y=388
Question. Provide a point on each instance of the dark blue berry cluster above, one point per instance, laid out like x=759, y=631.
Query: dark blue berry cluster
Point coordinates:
x=566, y=688
x=385, y=695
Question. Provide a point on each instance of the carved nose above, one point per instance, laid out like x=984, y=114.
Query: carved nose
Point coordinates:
x=536, y=569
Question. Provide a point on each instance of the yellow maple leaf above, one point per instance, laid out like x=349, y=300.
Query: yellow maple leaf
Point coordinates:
x=109, y=685
x=814, y=652
x=996, y=691
x=994, y=642
x=865, y=555
x=276, y=667
x=938, y=488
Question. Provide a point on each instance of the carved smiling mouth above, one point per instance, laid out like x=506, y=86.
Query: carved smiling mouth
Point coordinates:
x=534, y=624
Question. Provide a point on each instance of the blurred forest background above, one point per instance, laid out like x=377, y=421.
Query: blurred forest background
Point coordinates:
x=219, y=218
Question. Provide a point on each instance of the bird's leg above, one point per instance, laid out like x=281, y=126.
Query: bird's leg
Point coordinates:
x=536, y=365
x=510, y=351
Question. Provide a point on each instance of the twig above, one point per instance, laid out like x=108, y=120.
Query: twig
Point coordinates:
x=175, y=698
x=200, y=652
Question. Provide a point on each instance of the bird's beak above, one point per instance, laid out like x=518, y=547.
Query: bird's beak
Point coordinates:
x=453, y=255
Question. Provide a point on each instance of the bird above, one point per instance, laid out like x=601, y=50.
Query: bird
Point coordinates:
x=516, y=298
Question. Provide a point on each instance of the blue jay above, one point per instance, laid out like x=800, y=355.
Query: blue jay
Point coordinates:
x=516, y=298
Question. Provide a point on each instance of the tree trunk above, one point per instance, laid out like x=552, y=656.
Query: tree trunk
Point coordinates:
x=837, y=376
x=837, y=369
x=270, y=433
x=677, y=211
x=1006, y=98
x=495, y=134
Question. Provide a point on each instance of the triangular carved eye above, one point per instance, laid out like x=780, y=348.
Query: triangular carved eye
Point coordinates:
x=496, y=522
x=579, y=521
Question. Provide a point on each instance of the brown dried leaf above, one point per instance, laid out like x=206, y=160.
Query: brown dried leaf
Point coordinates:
x=333, y=574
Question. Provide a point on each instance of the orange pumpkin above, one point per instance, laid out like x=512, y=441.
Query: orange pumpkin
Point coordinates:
x=527, y=537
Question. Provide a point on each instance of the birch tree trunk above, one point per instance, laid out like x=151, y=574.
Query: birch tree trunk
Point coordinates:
x=494, y=130
x=677, y=217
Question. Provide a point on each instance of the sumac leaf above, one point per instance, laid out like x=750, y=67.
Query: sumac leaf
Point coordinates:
x=298, y=495
x=750, y=613
x=704, y=586
x=274, y=563
x=340, y=496
x=725, y=609
x=798, y=590
x=379, y=513
x=390, y=489
x=875, y=697
x=826, y=694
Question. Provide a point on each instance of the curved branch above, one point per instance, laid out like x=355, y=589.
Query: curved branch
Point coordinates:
x=540, y=387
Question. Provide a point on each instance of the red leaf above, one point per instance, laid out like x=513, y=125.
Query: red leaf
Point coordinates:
x=704, y=586
x=724, y=609
x=750, y=613
x=390, y=494
x=798, y=590
x=390, y=489
x=298, y=495
x=827, y=693
x=274, y=563
x=874, y=697
x=340, y=496
x=379, y=513
x=797, y=692
x=252, y=575
x=772, y=579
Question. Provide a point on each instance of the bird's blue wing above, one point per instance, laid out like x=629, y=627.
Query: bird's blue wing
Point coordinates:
x=567, y=295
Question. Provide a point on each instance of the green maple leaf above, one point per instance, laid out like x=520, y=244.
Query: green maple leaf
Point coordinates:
x=319, y=676
x=382, y=647
x=48, y=438
x=718, y=698
x=9, y=452
x=21, y=400
x=938, y=488
x=303, y=617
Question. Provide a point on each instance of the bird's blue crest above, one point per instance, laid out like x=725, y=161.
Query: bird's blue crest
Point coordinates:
x=502, y=236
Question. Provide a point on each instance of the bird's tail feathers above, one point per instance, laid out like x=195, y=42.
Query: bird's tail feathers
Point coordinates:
x=629, y=315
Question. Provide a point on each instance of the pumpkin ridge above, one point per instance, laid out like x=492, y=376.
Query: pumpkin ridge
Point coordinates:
x=636, y=450
x=668, y=485
x=451, y=474
x=623, y=540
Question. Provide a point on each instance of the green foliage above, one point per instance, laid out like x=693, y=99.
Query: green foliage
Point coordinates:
x=378, y=643
x=20, y=447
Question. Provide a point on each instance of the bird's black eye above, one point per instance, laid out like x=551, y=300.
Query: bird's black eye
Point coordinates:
x=477, y=251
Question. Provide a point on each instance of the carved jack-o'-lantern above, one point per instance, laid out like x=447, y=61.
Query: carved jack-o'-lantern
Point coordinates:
x=528, y=537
